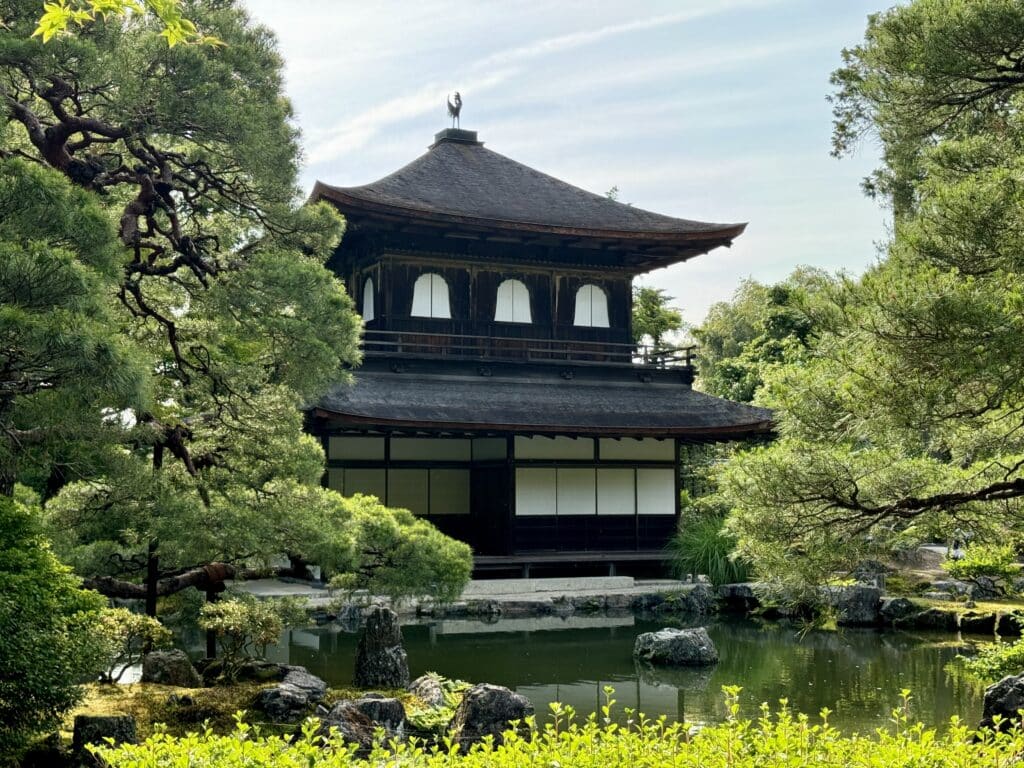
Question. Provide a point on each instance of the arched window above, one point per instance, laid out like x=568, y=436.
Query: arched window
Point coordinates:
x=591, y=307
x=368, y=297
x=430, y=297
x=513, y=304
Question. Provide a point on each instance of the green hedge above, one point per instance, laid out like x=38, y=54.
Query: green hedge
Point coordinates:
x=775, y=739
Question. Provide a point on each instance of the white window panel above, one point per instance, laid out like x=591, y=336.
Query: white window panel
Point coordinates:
x=513, y=303
x=554, y=448
x=430, y=297
x=430, y=449
x=351, y=447
x=656, y=491
x=591, y=307
x=647, y=449
x=535, y=492
x=449, y=492
x=368, y=300
x=577, y=492
x=616, y=492
x=407, y=489
x=370, y=482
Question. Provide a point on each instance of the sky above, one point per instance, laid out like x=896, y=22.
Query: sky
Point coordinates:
x=703, y=109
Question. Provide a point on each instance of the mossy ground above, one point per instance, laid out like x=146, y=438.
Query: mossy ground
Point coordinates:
x=214, y=707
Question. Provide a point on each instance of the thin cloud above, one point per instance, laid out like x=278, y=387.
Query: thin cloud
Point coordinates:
x=357, y=131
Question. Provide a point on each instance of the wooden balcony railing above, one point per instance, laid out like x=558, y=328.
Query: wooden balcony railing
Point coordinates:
x=490, y=348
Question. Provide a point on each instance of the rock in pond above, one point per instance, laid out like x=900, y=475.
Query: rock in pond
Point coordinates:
x=856, y=605
x=895, y=608
x=487, y=710
x=676, y=647
x=380, y=658
x=170, y=668
x=96, y=729
x=293, y=697
x=1003, y=699
x=978, y=623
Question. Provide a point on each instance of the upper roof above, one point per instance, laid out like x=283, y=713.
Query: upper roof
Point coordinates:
x=538, y=404
x=459, y=182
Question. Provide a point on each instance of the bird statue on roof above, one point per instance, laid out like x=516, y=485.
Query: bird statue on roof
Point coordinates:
x=454, y=109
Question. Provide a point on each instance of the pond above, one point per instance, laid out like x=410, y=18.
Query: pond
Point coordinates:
x=858, y=674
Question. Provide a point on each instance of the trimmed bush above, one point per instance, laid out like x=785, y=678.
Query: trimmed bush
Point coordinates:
x=778, y=739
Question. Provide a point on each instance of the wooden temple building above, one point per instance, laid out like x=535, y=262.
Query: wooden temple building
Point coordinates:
x=501, y=395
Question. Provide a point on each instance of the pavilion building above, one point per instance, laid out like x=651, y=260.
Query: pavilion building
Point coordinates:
x=501, y=395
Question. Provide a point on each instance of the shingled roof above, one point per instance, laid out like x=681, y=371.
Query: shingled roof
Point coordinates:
x=459, y=182
x=544, y=405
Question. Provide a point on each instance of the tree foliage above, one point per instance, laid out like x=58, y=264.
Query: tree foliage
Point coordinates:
x=905, y=417
x=49, y=630
x=62, y=15
x=129, y=636
x=187, y=315
x=760, y=328
x=653, y=317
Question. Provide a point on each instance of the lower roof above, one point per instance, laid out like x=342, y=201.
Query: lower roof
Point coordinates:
x=533, y=404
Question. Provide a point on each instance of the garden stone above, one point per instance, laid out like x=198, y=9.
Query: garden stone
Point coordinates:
x=96, y=729
x=1009, y=625
x=933, y=618
x=978, y=623
x=738, y=597
x=292, y=698
x=676, y=647
x=985, y=588
x=170, y=668
x=1004, y=699
x=856, y=605
x=383, y=711
x=701, y=600
x=488, y=710
x=352, y=725
x=380, y=659
x=428, y=689
x=895, y=608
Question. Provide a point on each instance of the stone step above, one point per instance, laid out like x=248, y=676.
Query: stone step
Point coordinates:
x=486, y=587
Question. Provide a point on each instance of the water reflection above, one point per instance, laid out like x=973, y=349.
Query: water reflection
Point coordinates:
x=856, y=673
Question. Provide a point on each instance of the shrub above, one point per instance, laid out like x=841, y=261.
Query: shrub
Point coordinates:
x=779, y=739
x=995, y=661
x=245, y=626
x=49, y=642
x=129, y=637
x=703, y=546
x=992, y=561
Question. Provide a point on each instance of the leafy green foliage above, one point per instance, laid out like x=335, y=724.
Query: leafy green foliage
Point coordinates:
x=434, y=720
x=994, y=561
x=779, y=738
x=61, y=15
x=398, y=554
x=158, y=412
x=903, y=415
x=760, y=329
x=994, y=662
x=653, y=318
x=244, y=626
x=129, y=637
x=702, y=545
x=49, y=630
